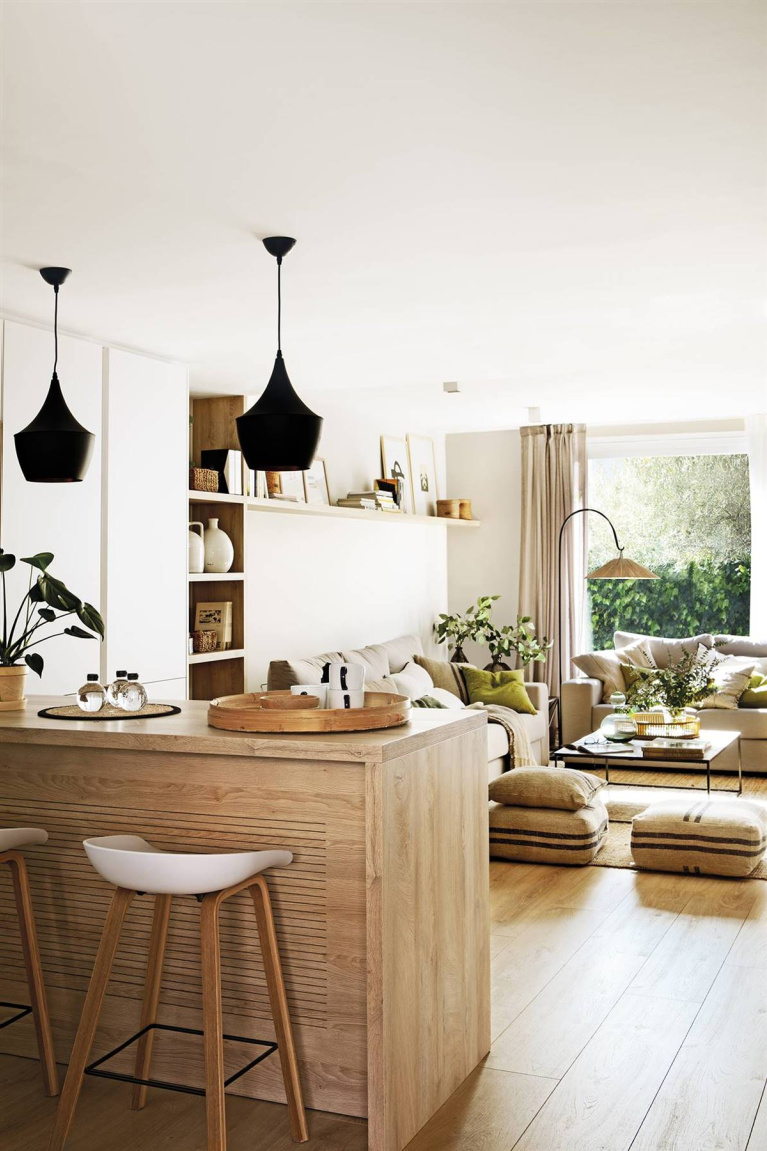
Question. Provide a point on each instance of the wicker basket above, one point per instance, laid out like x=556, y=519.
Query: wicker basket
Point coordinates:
x=203, y=480
x=652, y=725
x=204, y=641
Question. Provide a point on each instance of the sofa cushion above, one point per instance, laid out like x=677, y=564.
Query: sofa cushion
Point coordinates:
x=730, y=682
x=741, y=645
x=604, y=666
x=401, y=650
x=447, y=699
x=413, y=681
x=704, y=836
x=497, y=742
x=505, y=688
x=374, y=659
x=283, y=673
x=665, y=652
x=562, y=788
x=543, y=835
x=446, y=675
x=755, y=694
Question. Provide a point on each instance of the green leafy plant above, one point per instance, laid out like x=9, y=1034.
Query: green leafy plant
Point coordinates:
x=685, y=684
x=517, y=639
x=456, y=629
x=59, y=603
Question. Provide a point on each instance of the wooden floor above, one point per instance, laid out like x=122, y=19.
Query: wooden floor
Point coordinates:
x=629, y=1011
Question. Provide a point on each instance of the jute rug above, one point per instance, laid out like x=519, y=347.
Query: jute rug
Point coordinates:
x=624, y=802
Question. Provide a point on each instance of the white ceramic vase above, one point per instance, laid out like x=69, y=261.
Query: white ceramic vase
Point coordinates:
x=219, y=549
x=196, y=547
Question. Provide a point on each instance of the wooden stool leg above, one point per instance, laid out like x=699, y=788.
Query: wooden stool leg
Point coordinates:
x=160, y=921
x=213, y=1024
x=94, y=999
x=274, y=981
x=34, y=971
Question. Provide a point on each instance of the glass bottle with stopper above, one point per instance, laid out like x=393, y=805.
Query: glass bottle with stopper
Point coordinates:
x=619, y=726
x=91, y=696
x=132, y=695
x=113, y=688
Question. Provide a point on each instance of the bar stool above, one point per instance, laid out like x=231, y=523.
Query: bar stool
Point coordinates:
x=12, y=838
x=135, y=867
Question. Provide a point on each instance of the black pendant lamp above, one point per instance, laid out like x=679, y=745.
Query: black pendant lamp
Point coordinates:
x=279, y=433
x=54, y=448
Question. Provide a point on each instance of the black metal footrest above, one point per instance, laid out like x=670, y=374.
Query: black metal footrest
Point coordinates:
x=96, y=1067
x=21, y=1009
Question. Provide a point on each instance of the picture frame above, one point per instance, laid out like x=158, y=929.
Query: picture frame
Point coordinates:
x=286, y=486
x=423, y=472
x=395, y=465
x=216, y=617
x=316, y=489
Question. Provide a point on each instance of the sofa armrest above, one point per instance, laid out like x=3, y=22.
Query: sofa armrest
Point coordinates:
x=539, y=697
x=577, y=698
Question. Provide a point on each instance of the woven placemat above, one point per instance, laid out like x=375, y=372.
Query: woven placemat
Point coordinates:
x=72, y=711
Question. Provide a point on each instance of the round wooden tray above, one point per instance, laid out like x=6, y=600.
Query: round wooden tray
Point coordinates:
x=245, y=713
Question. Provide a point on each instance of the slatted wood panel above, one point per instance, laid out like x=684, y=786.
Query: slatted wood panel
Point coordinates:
x=70, y=919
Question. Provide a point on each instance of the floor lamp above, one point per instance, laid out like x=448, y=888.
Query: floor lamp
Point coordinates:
x=618, y=568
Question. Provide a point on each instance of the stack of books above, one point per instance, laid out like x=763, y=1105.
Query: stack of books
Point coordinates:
x=685, y=749
x=370, y=501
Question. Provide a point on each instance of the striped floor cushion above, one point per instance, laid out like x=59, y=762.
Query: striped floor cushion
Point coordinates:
x=700, y=836
x=545, y=835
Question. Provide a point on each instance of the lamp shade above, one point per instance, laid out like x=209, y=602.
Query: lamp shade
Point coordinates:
x=621, y=568
x=279, y=433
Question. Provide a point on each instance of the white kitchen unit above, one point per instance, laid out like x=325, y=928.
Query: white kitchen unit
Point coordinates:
x=61, y=518
x=144, y=587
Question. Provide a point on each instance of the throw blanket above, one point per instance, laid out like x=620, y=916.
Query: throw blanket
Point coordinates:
x=520, y=749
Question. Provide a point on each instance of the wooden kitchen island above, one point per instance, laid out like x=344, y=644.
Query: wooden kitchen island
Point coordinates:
x=382, y=918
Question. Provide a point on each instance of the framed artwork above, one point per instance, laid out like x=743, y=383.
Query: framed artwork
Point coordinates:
x=216, y=617
x=316, y=490
x=286, y=486
x=396, y=466
x=423, y=470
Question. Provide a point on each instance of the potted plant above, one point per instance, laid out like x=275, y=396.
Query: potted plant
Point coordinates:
x=455, y=630
x=22, y=636
x=685, y=684
x=516, y=639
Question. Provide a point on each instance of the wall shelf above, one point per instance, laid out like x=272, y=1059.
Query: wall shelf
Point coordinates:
x=215, y=498
x=215, y=577
x=217, y=656
x=281, y=508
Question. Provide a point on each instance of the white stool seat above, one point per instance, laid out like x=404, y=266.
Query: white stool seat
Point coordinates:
x=13, y=837
x=129, y=861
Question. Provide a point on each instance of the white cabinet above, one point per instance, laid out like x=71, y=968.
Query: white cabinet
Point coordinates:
x=145, y=532
x=61, y=518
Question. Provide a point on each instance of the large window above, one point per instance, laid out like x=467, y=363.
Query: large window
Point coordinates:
x=688, y=519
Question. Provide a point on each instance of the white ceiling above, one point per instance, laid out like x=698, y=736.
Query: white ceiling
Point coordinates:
x=557, y=204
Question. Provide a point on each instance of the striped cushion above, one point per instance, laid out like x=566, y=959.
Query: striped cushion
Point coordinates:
x=544, y=835
x=700, y=836
x=563, y=788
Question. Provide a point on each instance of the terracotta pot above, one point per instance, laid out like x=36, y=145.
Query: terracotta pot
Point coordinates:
x=12, y=683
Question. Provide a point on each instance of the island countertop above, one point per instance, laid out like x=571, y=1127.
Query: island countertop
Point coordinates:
x=189, y=732
x=382, y=917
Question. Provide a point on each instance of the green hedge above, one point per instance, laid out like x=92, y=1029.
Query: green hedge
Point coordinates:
x=702, y=597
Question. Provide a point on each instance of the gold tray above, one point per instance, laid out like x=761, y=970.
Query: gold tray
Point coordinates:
x=245, y=713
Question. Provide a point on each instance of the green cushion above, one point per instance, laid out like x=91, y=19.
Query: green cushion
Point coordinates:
x=428, y=701
x=755, y=694
x=504, y=687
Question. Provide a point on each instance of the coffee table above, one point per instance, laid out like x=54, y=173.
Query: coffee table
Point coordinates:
x=605, y=757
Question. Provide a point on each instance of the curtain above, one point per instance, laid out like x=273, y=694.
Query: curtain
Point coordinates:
x=553, y=485
x=756, y=443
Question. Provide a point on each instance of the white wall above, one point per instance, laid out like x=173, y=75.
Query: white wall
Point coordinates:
x=485, y=467
x=62, y=518
x=320, y=584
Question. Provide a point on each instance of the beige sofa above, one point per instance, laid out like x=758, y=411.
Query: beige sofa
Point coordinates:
x=390, y=657
x=583, y=710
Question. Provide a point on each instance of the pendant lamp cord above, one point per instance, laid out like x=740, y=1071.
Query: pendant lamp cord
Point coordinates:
x=55, y=327
x=279, y=305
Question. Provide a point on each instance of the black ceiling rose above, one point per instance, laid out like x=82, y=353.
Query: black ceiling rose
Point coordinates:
x=279, y=433
x=54, y=448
